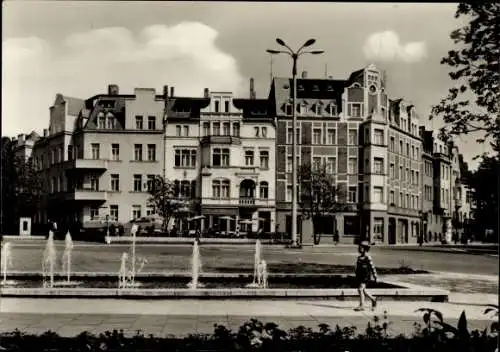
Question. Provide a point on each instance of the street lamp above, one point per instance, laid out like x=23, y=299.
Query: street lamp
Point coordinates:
x=294, y=55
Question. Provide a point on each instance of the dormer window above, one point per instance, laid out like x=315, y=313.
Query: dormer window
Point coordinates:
x=318, y=109
x=217, y=106
x=315, y=88
x=300, y=88
x=287, y=108
x=226, y=106
x=329, y=88
x=332, y=109
x=101, y=121
x=110, y=121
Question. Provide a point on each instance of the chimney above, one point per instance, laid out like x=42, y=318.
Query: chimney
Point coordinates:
x=45, y=132
x=206, y=93
x=252, y=89
x=20, y=137
x=304, y=74
x=113, y=89
x=171, y=92
x=165, y=92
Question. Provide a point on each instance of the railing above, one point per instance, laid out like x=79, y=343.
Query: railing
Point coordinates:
x=247, y=201
x=220, y=139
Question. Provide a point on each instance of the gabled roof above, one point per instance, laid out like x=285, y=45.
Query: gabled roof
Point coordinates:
x=74, y=105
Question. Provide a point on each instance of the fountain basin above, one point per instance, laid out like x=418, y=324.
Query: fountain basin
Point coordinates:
x=284, y=287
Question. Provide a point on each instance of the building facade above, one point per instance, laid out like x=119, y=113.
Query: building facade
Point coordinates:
x=232, y=158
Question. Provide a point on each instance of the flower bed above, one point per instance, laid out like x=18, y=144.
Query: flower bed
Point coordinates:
x=433, y=335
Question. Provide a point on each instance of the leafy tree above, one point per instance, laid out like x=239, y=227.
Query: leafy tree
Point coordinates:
x=476, y=72
x=21, y=186
x=486, y=183
x=165, y=198
x=320, y=195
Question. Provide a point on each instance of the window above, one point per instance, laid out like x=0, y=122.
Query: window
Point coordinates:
x=138, y=152
x=264, y=132
x=354, y=109
x=391, y=145
x=412, y=177
x=378, y=229
x=136, y=212
x=220, y=157
x=407, y=175
x=101, y=121
x=178, y=130
x=226, y=129
x=407, y=149
x=61, y=183
x=206, y=128
x=115, y=182
x=401, y=176
x=70, y=152
x=53, y=155
x=138, y=122
x=115, y=151
x=220, y=189
x=407, y=205
x=216, y=128
x=316, y=164
x=217, y=106
x=249, y=157
x=236, y=129
x=317, y=136
x=137, y=183
x=113, y=212
x=257, y=130
x=391, y=170
x=94, y=212
x=331, y=165
x=150, y=182
x=351, y=195
x=151, y=152
x=332, y=109
x=94, y=182
x=378, y=137
x=331, y=136
x=417, y=157
x=151, y=122
x=413, y=152
x=289, y=162
x=289, y=190
x=186, y=131
x=401, y=147
x=111, y=121
x=288, y=109
x=391, y=199
x=401, y=199
x=352, y=166
x=95, y=151
x=264, y=190
x=226, y=106
x=353, y=137
x=61, y=153
x=185, y=158
x=289, y=136
x=378, y=165
x=378, y=194
x=264, y=159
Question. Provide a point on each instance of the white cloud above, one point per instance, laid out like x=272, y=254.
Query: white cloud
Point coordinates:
x=385, y=46
x=184, y=56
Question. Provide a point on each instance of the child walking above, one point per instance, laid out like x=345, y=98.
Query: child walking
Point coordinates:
x=364, y=272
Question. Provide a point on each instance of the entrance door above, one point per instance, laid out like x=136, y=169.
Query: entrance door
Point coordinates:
x=392, y=231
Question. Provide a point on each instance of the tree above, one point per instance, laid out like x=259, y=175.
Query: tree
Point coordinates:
x=486, y=184
x=320, y=196
x=21, y=186
x=166, y=200
x=476, y=72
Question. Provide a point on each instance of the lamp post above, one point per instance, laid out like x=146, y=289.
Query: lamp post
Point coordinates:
x=294, y=55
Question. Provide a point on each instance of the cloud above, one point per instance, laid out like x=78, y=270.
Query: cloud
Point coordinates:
x=83, y=64
x=385, y=46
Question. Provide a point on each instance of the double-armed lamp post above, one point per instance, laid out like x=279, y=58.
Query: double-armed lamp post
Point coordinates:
x=294, y=55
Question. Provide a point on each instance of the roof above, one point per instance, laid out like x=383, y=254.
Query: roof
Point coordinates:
x=75, y=105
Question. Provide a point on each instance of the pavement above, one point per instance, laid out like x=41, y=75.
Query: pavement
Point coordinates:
x=69, y=317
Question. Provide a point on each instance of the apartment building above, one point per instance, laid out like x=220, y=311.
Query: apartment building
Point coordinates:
x=98, y=155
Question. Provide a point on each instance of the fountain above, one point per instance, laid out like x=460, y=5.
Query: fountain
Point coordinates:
x=257, y=262
x=66, y=257
x=263, y=274
x=126, y=277
x=49, y=259
x=6, y=262
x=195, y=267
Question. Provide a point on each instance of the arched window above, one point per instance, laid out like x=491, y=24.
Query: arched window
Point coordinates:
x=264, y=190
x=111, y=121
x=101, y=120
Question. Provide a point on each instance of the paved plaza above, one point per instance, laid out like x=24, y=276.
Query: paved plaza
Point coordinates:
x=184, y=317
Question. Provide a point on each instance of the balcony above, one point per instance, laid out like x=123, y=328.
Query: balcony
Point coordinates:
x=248, y=170
x=220, y=140
x=239, y=202
x=86, y=195
x=87, y=164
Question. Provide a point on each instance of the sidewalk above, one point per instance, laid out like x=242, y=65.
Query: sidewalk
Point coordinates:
x=161, y=318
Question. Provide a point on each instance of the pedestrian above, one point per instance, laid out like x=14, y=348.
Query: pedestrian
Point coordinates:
x=365, y=270
x=336, y=237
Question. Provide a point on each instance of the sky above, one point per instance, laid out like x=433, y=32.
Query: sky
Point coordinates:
x=78, y=48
